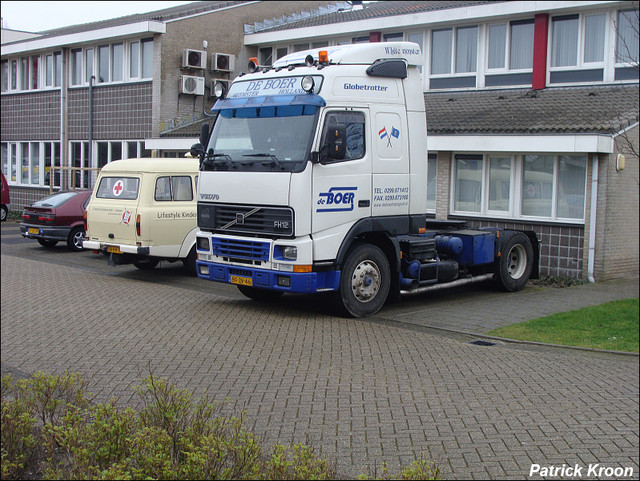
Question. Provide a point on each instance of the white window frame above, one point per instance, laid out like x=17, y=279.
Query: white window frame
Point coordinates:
x=454, y=39
x=515, y=189
x=614, y=47
x=507, y=49
x=580, y=62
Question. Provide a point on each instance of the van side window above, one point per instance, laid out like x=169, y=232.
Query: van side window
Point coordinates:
x=177, y=188
x=163, y=188
x=182, y=188
x=354, y=123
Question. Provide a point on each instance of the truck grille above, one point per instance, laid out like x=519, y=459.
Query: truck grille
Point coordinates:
x=246, y=219
x=240, y=251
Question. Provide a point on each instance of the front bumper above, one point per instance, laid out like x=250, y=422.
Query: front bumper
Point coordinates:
x=51, y=233
x=283, y=281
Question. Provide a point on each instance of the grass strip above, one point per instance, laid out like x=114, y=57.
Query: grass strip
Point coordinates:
x=612, y=326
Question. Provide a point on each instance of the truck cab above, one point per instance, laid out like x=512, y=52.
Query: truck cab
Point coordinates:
x=313, y=171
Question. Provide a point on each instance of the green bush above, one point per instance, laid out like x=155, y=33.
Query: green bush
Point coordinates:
x=51, y=430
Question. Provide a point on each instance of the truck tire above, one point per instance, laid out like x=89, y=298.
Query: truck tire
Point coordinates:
x=259, y=294
x=4, y=212
x=365, y=281
x=514, y=266
x=74, y=241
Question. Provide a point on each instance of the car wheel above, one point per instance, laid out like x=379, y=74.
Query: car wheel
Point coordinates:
x=76, y=236
x=4, y=213
x=147, y=264
x=259, y=294
x=365, y=281
x=46, y=243
x=514, y=266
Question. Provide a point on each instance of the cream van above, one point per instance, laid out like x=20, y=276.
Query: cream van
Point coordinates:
x=143, y=211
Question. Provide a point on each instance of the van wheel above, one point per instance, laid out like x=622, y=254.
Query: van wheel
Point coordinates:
x=365, y=281
x=514, y=266
x=147, y=265
x=46, y=243
x=190, y=262
x=259, y=294
x=4, y=213
x=74, y=241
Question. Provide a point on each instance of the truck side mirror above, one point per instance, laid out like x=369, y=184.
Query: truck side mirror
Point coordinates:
x=197, y=150
x=336, y=141
x=204, y=135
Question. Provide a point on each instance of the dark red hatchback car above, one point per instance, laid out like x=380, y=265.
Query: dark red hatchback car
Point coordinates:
x=58, y=217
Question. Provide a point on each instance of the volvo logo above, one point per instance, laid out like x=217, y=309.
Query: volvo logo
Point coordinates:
x=240, y=218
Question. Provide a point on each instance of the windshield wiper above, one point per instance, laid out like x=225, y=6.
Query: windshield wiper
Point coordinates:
x=211, y=159
x=274, y=160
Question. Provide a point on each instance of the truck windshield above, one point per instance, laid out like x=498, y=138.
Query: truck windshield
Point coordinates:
x=265, y=138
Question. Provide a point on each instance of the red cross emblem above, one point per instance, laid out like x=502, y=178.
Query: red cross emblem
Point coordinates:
x=118, y=188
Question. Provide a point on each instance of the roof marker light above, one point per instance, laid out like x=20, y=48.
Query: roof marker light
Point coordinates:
x=253, y=64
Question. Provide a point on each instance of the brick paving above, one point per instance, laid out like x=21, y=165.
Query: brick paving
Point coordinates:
x=359, y=391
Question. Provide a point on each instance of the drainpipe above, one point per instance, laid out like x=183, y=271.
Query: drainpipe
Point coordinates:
x=592, y=219
x=91, y=120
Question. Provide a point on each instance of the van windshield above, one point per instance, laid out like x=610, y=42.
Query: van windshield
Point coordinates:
x=265, y=138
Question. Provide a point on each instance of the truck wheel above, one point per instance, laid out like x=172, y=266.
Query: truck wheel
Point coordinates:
x=4, y=213
x=513, y=267
x=365, y=281
x=76, y=236
x=259, y=294
x=147, y=265
x=46, y=243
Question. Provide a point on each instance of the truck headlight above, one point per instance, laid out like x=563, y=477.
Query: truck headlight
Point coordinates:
x=290, y=253
x=203, y=243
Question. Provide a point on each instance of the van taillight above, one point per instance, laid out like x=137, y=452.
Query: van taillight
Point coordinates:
x=84, y=219
x=138, y=225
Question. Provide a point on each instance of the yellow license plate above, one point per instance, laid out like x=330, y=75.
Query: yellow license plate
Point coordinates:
x=33, y=230
x=114, y=250
x=243, y=281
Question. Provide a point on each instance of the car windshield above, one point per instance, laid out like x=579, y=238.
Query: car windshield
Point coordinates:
x=55, y=200
x=273, y=138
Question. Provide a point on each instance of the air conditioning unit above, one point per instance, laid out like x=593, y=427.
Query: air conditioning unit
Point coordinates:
x=194, y=58
x=191, y=85
x=223, y=62
x=225, y=84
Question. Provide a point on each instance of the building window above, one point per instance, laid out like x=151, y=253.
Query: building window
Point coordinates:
x=117, y=62
x=461, y=53
x=134, y=59
x=265, y=56
x=103, y=63
x=521, y=45
x=5, y=75
x=24, y=73
x=299, y=47
x=14, y=75
x=34, y=72
x=627, y=37
x=281, y=52
x=147, y=58
x=76, y=67
x=320, y=44
x=567, y=44
x=432, y=162
x=497, y=46
x=393, y=37
x=48, y=70
x=57, y=69
x=546, y=187
x=88, y=57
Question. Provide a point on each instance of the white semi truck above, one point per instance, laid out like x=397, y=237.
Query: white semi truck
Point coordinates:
x=313, y=179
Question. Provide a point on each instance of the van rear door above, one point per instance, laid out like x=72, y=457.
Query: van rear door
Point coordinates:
x=111, y=216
